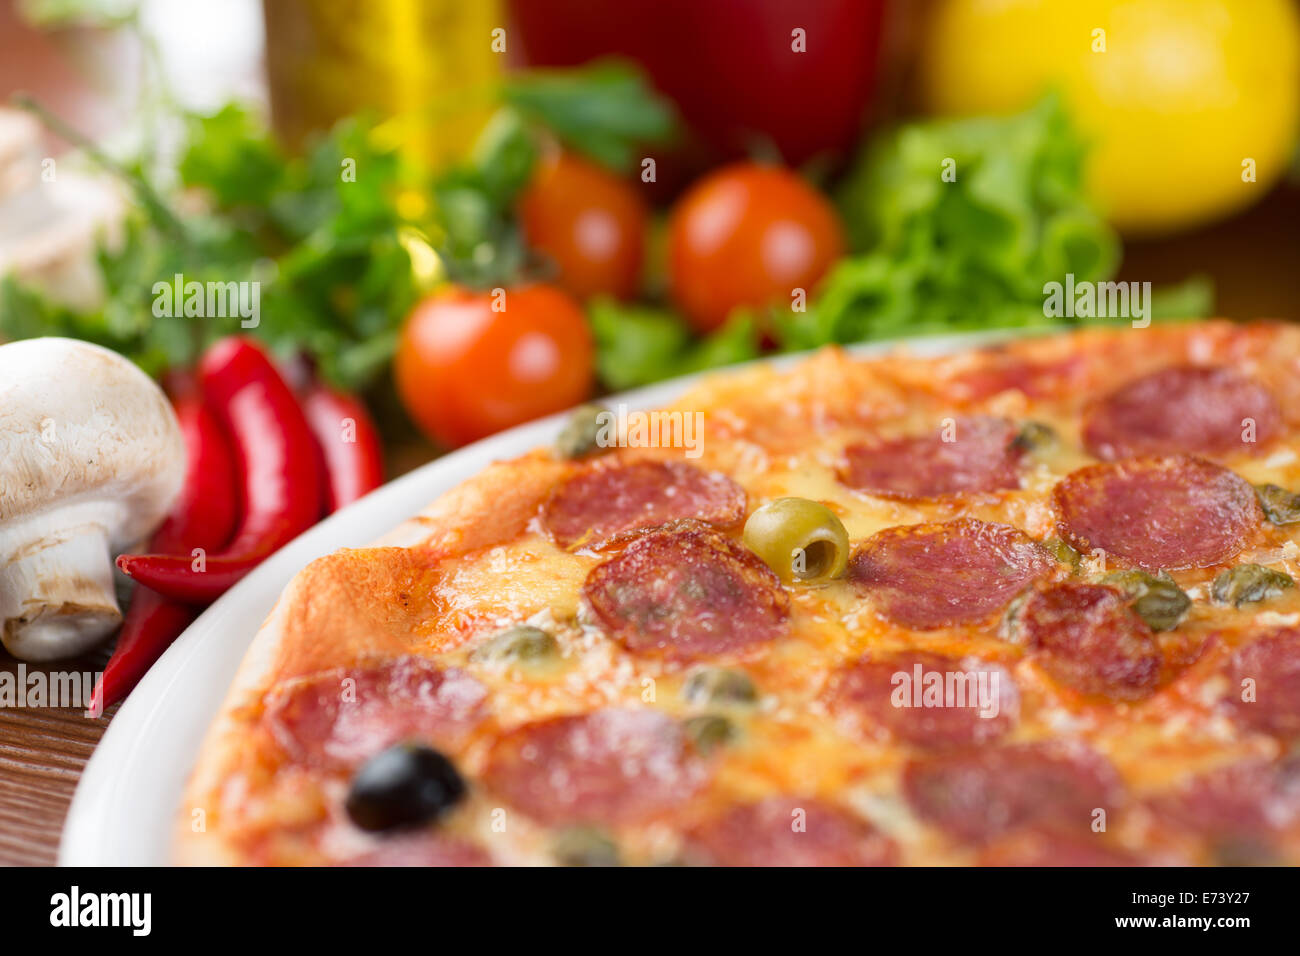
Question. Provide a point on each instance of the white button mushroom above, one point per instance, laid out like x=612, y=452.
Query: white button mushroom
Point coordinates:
x=51, y=226
x=91, y=459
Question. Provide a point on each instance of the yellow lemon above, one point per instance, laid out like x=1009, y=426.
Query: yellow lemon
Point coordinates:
x=1190, y=105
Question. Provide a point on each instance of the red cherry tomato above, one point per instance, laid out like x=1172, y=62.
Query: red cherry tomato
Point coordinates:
x=748, y=235
x=472, y=363
x=590, y=223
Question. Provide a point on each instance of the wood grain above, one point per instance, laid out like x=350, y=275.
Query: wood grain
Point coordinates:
x=42, y=753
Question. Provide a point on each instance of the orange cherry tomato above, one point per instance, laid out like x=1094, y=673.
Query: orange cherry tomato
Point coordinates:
x=590, y=223
x=750, y=235
x=465, y=369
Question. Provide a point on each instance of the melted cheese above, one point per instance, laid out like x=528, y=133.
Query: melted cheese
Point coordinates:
x=763, y=428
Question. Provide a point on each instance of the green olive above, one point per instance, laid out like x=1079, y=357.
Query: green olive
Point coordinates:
x=584, y=433
x=1280, y=506
x=522, y=644
x=585, y=846
x=1034, y=436
x=801, y=540
x=719, y=687
x=709, y=732
x=1155, y=598
x=1248, y=583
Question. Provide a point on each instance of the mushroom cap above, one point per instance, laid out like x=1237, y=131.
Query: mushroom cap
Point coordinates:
x=91, y=459
x=79, y=422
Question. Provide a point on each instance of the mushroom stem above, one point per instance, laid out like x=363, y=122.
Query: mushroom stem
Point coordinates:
x=57, y=596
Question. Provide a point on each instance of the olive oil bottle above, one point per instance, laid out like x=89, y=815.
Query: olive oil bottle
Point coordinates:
x=426, y=66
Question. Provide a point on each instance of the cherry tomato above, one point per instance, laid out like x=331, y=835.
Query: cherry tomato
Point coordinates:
x=590, y=223
x=472, y=363
x=748, y=235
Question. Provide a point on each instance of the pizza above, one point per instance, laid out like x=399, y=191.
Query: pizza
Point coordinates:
x=1028, y=604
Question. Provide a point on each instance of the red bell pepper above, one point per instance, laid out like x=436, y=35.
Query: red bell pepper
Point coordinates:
x=349, y=441
x=280, y=470
x=203, y=517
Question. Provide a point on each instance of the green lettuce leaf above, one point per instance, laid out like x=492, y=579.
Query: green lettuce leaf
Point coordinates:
x=969, y=250
x=638, y=344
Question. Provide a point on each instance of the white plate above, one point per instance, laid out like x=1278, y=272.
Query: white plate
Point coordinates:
x=125, y=805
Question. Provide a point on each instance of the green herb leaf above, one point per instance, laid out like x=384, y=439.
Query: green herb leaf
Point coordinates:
x=605, y=110
x=232, y=156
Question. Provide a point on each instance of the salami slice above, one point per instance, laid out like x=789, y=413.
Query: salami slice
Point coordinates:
x=978, y=795
x=1264, y=683
x=425, y=849
x=790, y=831
x=341, y=717
x=1087, y=637
x=1251, y=799
x=604, y=504
x=926, y=576
x=612, y=767
x=925, y=699
x=687, y=593
x=980, y=454
x=1183, y=410
x=1158, y=513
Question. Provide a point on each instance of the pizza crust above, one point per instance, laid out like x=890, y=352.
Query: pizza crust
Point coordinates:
x=339, y=609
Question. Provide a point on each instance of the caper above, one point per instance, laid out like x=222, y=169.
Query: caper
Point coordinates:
x=585, y=846
x=586, y=431
x=1034, y=436
x=719, y=687
x=1060, y=549
x=1248, y=583
x=709, y=732
x=1155, y=598
x=801, y=540
x=1280, y=506
x=522, y=644
x=1009, y=628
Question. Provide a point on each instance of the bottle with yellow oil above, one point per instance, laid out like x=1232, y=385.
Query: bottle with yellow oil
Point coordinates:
x=426, y=66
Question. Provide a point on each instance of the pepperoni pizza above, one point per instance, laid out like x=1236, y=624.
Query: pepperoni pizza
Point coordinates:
x=1031, y=604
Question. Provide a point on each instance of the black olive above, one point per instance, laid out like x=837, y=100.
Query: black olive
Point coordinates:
x=719, y=687
x=585, y=846
x=581, y=435
x=521, y=644
x=1280, y=506
x=405, y=785
x=1248, y=583
x=709, y=732
x=1155, y=598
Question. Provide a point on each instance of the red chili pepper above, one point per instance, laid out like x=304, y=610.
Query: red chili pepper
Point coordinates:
x=202, y=517
x=279, y=467
x=354, y=458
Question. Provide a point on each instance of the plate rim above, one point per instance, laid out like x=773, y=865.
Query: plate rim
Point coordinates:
x=113, y=792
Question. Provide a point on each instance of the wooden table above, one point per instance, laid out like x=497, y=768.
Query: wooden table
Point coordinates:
x=42, y=751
